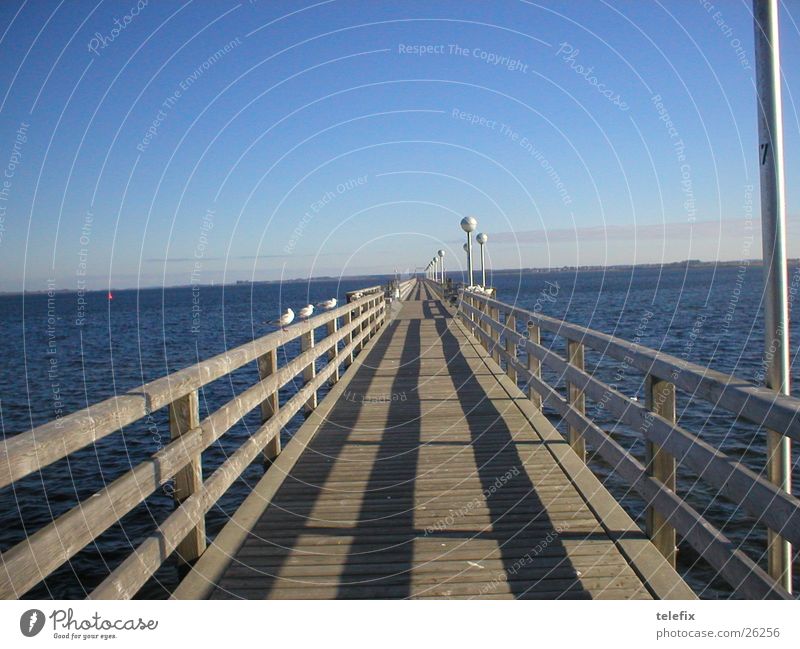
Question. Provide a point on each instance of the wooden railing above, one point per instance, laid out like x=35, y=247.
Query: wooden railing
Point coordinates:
x=183, y=531
x=406, y=286
x=510, y=333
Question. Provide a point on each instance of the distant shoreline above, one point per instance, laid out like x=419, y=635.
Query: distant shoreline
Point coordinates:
x=689, y=263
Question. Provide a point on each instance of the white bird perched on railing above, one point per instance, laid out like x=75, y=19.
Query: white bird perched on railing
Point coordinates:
x=327, y=304
x=285, y=319
x=306, y=311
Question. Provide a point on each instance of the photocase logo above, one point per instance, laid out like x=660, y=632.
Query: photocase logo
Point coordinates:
x=31, y=622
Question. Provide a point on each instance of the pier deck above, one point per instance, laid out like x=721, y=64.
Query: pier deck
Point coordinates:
x=427, y=473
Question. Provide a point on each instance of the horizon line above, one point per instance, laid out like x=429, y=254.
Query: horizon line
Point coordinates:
x=296, y=280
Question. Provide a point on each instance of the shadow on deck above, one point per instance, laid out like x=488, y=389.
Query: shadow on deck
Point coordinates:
x=424, y=479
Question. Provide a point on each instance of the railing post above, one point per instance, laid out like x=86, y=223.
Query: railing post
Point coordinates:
x=660, y=399
x=310, y=370
x=371, y=319
x=364, y=323
x=511, y=345
x=184, y=415
x=484, y=327
x=333, y=354
x=348, y=319
x=268, y=365
x=575, y=398
x=494, y=314
x=534, y=364
x=359, y=328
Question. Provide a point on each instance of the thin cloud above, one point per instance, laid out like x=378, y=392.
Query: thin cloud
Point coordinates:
x=238, y=257
x=650, y=231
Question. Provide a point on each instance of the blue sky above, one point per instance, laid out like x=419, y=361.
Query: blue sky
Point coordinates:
x=218, y=141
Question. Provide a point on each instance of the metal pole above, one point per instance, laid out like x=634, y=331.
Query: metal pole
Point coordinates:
x=773, y=233
x=483, y=267
x=469, y=256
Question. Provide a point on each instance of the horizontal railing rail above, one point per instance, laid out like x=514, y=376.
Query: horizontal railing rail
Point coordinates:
x=183, y=531
x=359, y=293
x=406, y=287
x=669, y=445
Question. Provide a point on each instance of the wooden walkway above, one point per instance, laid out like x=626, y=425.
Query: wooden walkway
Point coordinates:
x=426, y=473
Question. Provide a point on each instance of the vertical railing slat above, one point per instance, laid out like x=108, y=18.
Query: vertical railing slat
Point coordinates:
x=310, y=371
x=575, y=398
x=660, y=399
x=333, y=354
x=348, y=318
x=534, y=364
x=511, y=345
x=494, y=314
x=268, y=365
x=184, y=415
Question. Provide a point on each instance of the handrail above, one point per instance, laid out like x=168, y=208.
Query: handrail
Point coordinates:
x=670, y=445
x=406, y=287
x=370, y=290
x=31, y=560
x=757, y=404
x=31, y=451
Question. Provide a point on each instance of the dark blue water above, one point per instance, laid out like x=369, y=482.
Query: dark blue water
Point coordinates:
x=53, y=365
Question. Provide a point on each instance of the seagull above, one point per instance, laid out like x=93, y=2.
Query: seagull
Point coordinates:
x=306, y=311
x=327, y=304
x=286, y=317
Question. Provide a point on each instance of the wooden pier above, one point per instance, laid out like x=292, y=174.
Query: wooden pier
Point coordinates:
x=426, y=471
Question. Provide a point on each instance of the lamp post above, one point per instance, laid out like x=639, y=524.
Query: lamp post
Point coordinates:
x=468, y=224
x=773, y=233
x=441, y=264
x=482, y=238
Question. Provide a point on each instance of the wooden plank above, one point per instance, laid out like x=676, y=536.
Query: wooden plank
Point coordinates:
x=658, y=576
x=773, y=507
x=660, y=399
x=333, y=327
x=511, y=345
x=125, y=581
x=310, y=370
x=184, y=416
x=576, y=399
x=221, y=420
x=199, y=582
x=267, y=366
x=534, y=364
x=741, y=572
x=395, y=488
x=33, y=559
